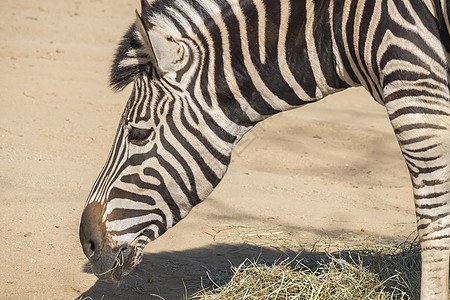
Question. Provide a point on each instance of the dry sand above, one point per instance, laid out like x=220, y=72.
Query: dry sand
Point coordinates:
x=331, y=171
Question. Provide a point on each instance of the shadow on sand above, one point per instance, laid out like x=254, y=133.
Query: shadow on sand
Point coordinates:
x=174, y=275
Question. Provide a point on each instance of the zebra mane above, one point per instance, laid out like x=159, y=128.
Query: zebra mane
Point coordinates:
x=131, y=57
x=130, y=60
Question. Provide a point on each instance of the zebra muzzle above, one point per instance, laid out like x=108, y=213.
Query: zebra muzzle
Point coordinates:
x=115, y=272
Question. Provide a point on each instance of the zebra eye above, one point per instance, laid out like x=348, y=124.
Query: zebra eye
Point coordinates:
x=139, y=136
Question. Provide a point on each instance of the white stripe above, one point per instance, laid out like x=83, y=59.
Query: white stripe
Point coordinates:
x=356, y=35
x=228, y=71
x=261, y=11
x=274, y=101
x=282, y=60
x=322, y=88
x=340, y=69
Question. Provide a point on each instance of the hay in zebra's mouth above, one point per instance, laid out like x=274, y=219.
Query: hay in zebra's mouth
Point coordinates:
x=115, y=272
x=120, y=266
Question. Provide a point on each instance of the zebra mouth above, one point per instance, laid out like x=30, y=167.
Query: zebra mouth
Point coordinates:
x=115, y=272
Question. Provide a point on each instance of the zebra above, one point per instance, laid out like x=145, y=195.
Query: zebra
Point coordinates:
x=204, y=72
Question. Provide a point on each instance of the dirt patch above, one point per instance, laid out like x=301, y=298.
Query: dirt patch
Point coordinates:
x=331, y=171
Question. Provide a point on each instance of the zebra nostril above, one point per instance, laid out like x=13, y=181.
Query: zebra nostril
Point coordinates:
x=92, y=246
x=89, y=248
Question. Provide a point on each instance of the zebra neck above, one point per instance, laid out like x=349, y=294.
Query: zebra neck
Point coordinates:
x=276, y=55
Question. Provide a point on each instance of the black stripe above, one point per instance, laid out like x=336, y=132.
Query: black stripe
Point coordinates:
x=430, y=195
x=428, y=183
x=432, y=218
x=430, y=206
x=416, y=110
x=431, y=248
x=246, y=86
x=424, y=149
x=338, y=25
x=162, y=189
x=323, y=42
x=126, y=213
x=118, y=193
x=434, y=237
x=224, y=159
x=411, y=92
x=425, y=170
x=410, y=157
x=351, y=42
x=366, y=18
x=162, y=226
x=418, y=126
x=415, y=140
x=210, y=175
x=193, y=195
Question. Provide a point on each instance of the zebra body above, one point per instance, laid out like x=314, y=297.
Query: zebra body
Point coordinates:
x=206, y=71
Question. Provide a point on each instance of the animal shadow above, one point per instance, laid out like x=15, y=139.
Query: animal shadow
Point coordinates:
x=177, y=275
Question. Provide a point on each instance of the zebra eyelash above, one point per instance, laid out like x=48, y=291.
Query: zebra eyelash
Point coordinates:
x=139, y=136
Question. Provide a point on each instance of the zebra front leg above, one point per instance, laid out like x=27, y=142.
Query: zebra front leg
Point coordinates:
x=422, y=128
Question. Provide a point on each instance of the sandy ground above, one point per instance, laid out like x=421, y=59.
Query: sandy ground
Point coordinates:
x=331, y=171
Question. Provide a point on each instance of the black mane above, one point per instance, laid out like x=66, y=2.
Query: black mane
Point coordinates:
x=127, y=63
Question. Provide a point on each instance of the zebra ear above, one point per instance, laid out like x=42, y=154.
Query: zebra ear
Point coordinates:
x=164, y=52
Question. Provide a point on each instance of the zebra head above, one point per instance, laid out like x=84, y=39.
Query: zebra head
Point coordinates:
x=171, y=148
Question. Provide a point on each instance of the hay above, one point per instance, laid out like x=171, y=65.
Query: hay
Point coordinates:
x=119, y=261
x=380, y=273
